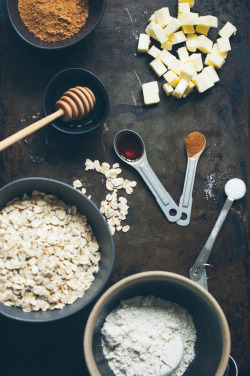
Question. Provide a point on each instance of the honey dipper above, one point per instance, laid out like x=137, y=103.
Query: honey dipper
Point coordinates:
x=75, y=104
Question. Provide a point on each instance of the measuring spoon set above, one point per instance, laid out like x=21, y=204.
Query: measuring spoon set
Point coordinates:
x=130, y=148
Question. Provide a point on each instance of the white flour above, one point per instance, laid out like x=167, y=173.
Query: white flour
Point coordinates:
x=148, y=336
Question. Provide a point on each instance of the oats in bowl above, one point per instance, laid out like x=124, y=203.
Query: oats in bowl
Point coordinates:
x=48, y=253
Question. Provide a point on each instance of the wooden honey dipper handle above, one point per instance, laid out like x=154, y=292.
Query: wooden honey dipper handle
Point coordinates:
x=29, y=130
x=73, y=105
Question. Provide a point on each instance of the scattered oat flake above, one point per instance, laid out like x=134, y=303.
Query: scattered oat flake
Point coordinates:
x=113, y=208
x=77, y=184
x=125, y=228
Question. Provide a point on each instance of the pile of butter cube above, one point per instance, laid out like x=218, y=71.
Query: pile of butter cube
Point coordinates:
x=184, y=74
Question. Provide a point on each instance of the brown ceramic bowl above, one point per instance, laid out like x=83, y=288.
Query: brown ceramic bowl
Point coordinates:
x=96, y=12
x=212, y=346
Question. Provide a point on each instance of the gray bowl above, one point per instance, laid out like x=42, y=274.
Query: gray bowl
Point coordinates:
x=69, y=78
x=96, y=220
x=212, y=346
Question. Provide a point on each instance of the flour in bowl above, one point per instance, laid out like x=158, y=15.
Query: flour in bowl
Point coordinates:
x=148, y=336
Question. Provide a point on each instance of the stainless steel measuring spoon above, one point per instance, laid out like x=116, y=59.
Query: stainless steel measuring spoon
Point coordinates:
x=186, y=199
x=130, y=147
x=234, y=189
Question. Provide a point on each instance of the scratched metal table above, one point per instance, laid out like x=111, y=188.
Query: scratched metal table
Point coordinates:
x=152, y=243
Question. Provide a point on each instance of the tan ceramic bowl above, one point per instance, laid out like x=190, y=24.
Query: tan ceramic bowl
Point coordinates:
x=212, y=346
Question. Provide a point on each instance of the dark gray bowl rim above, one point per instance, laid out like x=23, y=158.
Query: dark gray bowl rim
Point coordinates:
x=53, y=48
x=89, y=328
x=105, y=114
x=97, y=292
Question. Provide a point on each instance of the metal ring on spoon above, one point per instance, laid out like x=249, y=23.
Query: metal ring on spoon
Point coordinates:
x=232, y=369
x=130, y=148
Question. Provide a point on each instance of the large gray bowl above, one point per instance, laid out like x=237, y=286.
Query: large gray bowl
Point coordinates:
x=96, y=220
x=212, y=346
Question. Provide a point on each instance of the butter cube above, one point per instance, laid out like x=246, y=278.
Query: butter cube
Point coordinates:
x=183, y=8
x=190, y=2
x=150, y=92
x=191, y=42
x=175, y=65
x=202, y=29
x=212, y=73
x=188, y=29
x=143, y=44
x=154, y=52
x=196, y=59
x=188, y=18
x=187, y=72
x=168, y=89
x=189, y=89
x=210, y=21
x=158, y=67
x=151, y=18
x=204, y=44
x=171, y=78
x=215, y=50
x=162, y=16
x=160, y=36
x=203, y=82
x=167, y=45
x=227, y=30
x=223, y=44
x=149, y=29
x=183, y=54
x=166, y=57
x=180, y=88
x=215, y=60
x=172, y=26
x=178, y=37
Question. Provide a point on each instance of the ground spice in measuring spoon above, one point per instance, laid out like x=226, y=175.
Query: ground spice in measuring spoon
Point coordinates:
x=51, y=20
x=195, y=143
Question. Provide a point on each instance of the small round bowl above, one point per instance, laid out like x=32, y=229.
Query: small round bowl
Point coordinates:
x=212, y=347
x=96, y=12
x=70, y=78
x=70, y=196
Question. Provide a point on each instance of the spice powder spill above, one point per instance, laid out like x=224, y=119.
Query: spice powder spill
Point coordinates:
x=195, y=143
x=51, y=20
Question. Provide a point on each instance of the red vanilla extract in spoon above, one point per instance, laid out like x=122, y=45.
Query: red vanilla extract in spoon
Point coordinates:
x=129, y=147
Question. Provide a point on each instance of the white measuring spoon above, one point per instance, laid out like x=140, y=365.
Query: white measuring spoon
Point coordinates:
x=234, y=189
x=130, y=147
x=186, y=199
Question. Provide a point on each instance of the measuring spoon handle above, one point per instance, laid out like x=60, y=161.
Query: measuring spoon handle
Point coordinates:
x=186, y=199
x=163, y=198
x=202, y=259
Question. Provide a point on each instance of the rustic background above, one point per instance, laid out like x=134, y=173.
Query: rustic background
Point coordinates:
x=152, y=243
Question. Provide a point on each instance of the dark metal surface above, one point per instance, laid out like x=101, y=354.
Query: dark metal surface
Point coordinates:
x=152, y=243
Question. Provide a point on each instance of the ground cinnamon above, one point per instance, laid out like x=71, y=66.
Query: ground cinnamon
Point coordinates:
x=194, y=142
x=53, y=20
